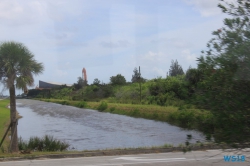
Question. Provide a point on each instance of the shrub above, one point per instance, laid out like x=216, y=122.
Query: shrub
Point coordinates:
x=64, y=102
x=46, y=143
x=81, y=104
x=103, y=106
x=135, y=113
x=112, y=109
x=76, y=97
x=155, y=115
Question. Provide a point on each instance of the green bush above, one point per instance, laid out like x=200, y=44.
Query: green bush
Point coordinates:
x=155, y=115
x=112, y=109
x=103, y=106
x=81, y=104
x=76, y=97
x=46, y=143
x=135, y=113
x=64, y=102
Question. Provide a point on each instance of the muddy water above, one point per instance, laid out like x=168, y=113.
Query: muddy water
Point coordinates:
x=86, y=129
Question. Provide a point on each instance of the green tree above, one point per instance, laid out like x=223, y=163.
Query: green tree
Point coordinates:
x=118, y=80
x=193, y=76
x=175, y=69
x=226, y=69
x=137, y=76
x=17, y=67
x=79, y=84
x=96, y=81
x=171, y=86
x=80, y=81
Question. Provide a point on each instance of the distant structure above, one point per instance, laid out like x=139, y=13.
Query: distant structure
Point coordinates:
x=49, y=85
x=84, y=75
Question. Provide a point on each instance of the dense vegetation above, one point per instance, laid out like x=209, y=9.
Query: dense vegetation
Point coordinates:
x=220, y=85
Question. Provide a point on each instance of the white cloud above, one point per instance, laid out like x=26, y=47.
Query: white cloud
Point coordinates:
x=188, y=55
x=61, y=73
x=159, y=72
x=172, y=42
x=21, y=12
x=119, y=43
x=207, y=7
x=153, y=64
x=10, y=10
x=151, y=57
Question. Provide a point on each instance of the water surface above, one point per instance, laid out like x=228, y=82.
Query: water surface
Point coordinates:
x=86, y=129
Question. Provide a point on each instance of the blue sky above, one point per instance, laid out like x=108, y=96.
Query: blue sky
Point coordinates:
x=110, y=37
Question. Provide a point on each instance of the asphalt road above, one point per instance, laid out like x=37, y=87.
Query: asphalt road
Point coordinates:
x=208, y=157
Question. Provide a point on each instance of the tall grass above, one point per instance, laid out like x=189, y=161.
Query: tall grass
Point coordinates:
x=46, y=143
x=4, y=122
x=103, y=106
x=81, y=104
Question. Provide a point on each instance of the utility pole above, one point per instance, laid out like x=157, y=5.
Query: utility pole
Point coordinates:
x=140, y=82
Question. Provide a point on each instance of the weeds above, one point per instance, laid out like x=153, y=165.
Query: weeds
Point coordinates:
x=167, y=145
x=46, y=143
x=135, y=113
x=81, y=104
x=112, y=109
x=64, y=102
x=103, y=106
x=3, y=150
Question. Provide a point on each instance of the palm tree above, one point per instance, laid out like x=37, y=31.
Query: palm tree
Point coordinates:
x=17, y=67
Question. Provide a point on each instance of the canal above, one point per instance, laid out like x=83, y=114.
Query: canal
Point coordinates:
x=86, y=129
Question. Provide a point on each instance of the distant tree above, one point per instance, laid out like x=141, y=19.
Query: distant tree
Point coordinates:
x=193, y=76
x=80, y=83
x=118, y=80
x=33, y=92
x=96, y=81
x=136, y=76
x=85, y=82
x=175, y=69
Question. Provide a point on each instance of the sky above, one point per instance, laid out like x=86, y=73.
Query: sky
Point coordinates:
x=109, y=37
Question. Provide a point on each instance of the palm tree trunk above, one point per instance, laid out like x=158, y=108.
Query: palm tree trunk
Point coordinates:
x=13, y=119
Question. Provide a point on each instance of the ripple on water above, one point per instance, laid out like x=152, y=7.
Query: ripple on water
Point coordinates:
x=89, y=129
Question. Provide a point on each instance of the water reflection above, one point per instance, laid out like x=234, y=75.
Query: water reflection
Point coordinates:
x=86, y=129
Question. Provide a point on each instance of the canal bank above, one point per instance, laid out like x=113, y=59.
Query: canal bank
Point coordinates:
x=185, y=116
x=116, y=152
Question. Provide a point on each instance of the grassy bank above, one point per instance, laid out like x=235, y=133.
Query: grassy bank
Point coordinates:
x=4, y=121
x=108, y=152
x=185, y=116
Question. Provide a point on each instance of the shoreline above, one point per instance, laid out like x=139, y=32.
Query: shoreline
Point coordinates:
x=112, y=152
x=187, y=118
